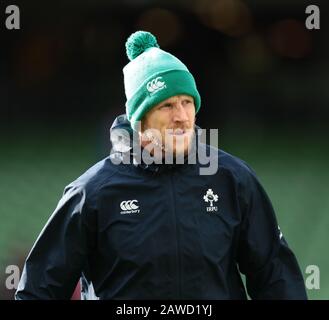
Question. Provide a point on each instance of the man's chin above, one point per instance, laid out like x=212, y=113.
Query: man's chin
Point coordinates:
x=176, y=152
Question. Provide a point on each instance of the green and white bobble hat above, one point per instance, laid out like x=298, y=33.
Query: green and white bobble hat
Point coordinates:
x=152, y=76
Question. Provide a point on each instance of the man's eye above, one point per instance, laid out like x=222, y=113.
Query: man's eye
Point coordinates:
x=187, y=101
x=165, y=106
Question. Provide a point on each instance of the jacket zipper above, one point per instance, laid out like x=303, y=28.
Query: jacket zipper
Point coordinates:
x=179, y=285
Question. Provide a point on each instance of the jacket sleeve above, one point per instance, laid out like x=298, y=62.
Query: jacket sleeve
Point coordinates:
x=54, y=265
x=270, y=266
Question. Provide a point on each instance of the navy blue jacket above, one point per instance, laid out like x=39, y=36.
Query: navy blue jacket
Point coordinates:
x=133, y=231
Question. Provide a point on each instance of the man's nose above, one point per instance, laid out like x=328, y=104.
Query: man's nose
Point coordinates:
x=180, y=114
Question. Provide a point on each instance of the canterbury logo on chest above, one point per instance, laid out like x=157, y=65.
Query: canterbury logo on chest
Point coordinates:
x=129, y=206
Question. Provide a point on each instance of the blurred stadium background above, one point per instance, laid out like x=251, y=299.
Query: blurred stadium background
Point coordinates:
x=262, y=75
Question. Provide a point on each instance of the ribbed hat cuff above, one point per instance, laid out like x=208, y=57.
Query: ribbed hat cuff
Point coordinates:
x=158, y=88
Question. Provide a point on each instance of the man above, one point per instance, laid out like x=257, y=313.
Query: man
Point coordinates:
x=131, y=228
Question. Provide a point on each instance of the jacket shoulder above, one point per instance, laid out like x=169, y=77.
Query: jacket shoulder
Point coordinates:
x=94, y=177
x=237, y=167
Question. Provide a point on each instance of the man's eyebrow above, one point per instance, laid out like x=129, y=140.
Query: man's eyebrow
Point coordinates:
x=165, y=103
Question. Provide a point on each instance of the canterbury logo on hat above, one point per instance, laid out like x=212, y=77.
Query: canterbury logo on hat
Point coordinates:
x=155, y=85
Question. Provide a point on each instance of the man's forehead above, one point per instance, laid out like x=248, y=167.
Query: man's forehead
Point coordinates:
x=177, y=97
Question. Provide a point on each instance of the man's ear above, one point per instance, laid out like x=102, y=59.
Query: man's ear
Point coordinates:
x=142, y=124
x=146, y=135
x=141, y=130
